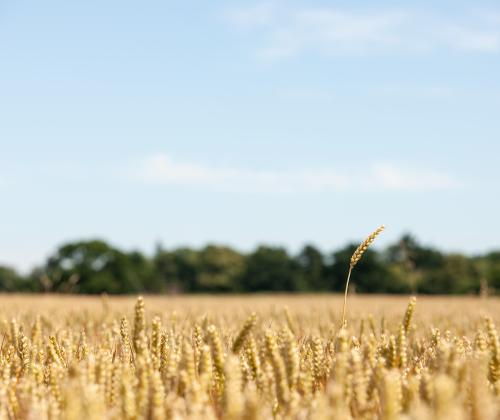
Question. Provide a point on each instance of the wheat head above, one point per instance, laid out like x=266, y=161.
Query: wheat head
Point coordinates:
x=360, y=250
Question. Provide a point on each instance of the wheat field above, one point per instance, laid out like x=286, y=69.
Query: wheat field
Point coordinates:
x=249, y=357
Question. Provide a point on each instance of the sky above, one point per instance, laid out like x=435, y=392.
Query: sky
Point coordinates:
x=243, y=122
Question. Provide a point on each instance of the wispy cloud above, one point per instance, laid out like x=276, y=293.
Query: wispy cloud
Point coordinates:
x=463, y=38
x=289, y=30
x=164, y=170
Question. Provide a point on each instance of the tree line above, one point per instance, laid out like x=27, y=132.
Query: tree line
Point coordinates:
x=406, y=266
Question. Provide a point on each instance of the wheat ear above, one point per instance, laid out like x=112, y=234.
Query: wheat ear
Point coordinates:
x=360, y=250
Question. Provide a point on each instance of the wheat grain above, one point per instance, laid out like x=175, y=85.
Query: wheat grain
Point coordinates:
x=356, y=256
x=84, y=366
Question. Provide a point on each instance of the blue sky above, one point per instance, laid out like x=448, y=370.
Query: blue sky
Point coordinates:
x=248, y=122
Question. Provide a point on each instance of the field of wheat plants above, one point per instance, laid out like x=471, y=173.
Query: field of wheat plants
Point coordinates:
x=248, y=357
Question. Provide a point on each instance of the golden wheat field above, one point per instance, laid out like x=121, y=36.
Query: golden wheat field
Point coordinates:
x=249, y=357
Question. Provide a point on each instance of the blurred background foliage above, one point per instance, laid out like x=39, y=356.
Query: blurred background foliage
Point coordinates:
x=95, y=266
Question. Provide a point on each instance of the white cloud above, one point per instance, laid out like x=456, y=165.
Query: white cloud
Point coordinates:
x=462, y=38
x=164, y=170
x=390, y=177
x=290, y=30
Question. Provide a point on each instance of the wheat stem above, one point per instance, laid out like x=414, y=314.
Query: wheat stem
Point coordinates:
x=356, y=256
x=345, y=298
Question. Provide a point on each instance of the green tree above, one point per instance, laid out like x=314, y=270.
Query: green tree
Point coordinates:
x=457, y=275
x=220, y=269
x=270, y=269
x=10, y=280
x=178, y=269
x=96, y=267
x=211, y=269
x=407, y=266
x=371, y=275
x=418, y=265
x=312, y=269
x=489, y=270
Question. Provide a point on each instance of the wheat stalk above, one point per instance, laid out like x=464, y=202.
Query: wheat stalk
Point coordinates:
x=360, y=250
x=65, y=367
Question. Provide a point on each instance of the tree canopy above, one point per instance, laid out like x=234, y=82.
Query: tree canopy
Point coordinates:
x=406, y=266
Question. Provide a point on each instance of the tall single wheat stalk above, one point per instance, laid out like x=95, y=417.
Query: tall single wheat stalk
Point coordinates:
x=360, y=250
